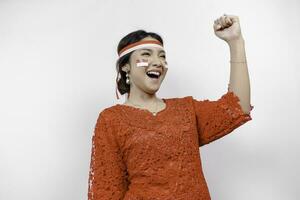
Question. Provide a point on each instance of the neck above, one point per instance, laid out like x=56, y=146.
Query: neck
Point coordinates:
x=141, y=98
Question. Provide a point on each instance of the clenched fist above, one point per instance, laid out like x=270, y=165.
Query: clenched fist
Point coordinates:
x=227, y=27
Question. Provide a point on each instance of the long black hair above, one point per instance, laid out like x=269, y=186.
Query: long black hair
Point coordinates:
x=130, y=38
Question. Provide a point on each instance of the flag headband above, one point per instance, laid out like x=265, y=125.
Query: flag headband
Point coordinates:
x=140, y=45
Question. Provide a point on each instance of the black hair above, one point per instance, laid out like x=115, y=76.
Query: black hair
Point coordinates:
x=130, y=38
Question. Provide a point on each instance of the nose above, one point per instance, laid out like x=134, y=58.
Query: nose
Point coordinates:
x=156, y=62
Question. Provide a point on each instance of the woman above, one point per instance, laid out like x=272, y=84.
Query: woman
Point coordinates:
x=148, y=147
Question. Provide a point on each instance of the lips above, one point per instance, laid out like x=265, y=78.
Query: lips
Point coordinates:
x=155, y=70
x=153, y=74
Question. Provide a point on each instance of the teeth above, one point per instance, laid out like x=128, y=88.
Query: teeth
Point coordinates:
x=154, y=72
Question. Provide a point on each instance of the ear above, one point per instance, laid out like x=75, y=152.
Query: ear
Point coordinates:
x=126, y=68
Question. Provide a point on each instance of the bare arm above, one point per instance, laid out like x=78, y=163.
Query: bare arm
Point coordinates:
x=239, y=76
x=227, y=28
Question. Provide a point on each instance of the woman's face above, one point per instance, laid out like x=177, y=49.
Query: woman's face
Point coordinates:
x=138, y=77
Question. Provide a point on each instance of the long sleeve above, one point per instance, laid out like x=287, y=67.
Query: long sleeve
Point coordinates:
x=216, y=119
x=107, y=176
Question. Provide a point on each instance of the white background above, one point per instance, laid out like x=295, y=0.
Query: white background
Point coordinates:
x=57, y=61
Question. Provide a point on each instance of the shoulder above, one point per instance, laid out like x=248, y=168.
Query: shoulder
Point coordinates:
x=183, y=99
x=181, y=103
x=109, y=114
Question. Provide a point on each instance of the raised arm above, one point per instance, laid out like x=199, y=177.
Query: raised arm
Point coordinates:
x=239, y=76
x=227, y=27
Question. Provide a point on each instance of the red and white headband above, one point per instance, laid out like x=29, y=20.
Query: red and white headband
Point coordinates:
x=140, y=45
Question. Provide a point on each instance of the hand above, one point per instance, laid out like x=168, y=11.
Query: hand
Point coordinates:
x=227, y=27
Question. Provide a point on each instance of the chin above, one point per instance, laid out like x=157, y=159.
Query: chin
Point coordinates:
x=150, y=90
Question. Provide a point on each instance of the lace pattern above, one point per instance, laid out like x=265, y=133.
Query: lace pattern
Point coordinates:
x=107, y=176
x=139, y=156
x=216, y=119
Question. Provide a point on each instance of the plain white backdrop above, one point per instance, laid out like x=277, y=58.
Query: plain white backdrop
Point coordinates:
x=57, y=61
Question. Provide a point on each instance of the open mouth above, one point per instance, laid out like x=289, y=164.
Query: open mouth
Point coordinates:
x=153, y=74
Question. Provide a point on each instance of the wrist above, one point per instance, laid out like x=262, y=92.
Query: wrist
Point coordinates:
x=237, y=50
x=236, y=42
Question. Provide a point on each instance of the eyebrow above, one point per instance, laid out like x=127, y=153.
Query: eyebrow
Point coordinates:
x=152, y=51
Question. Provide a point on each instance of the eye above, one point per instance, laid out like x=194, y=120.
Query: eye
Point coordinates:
x=164, y=56
x=143, y=54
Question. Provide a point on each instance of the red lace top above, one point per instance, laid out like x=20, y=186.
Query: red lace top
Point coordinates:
x=140, y=156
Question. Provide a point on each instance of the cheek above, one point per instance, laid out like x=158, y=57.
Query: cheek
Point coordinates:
x=138, y=74
x=142, y=63
x=165, y=64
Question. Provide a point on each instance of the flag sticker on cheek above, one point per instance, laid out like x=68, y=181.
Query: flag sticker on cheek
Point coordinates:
x=145, y=63
x=142, y=63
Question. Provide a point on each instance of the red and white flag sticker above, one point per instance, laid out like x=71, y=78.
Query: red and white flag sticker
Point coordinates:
x=145, y=63
x=142, y=63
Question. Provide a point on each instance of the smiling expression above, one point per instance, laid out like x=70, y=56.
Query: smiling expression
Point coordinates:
x=147, y=68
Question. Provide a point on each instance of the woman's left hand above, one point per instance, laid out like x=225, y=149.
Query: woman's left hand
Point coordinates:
x=227, y=27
